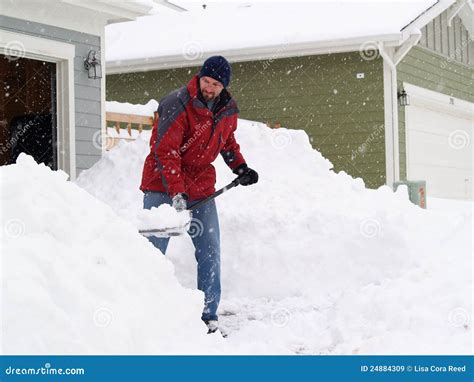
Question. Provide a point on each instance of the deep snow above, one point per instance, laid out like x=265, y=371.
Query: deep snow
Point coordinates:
x=312, y=262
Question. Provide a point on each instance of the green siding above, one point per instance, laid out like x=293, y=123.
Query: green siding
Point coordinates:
x=431, y=70
x=342, y=115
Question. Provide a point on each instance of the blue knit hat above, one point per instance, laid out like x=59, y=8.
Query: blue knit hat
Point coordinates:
x=217, y=67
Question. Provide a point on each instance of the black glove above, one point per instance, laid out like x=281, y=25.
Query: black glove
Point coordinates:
x=247, y=176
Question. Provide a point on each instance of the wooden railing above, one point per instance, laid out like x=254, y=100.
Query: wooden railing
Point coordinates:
x=130, y=121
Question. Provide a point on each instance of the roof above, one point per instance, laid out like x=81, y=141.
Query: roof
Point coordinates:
x=466, y=13
x=87, y=16
x=115, y=9
x=244, y=32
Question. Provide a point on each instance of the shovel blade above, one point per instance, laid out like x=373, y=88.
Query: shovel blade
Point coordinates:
x=164, y=232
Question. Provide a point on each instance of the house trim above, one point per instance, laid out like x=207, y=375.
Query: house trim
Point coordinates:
x=103, y=124
x=391, y=57
x=438, y=101
x=120, y=11
x=79, y=20
x=81, y=16
x=62, y=55
x=392, y=168
x=283, y=50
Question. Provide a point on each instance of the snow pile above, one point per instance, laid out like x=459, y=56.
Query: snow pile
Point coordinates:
x=129, y=108
x=312, y=261
x=125, y=196
x=77, y=279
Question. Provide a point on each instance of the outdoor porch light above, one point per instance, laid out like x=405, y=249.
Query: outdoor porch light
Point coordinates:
x=92, y=65
x=403, y=99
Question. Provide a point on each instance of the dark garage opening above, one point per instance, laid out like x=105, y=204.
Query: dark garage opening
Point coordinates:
x=28, y=110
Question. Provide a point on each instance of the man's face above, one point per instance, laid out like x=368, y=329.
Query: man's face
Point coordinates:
x=210, y=88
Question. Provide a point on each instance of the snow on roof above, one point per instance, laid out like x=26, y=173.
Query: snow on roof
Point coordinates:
x=127, y=108
x=235, y=27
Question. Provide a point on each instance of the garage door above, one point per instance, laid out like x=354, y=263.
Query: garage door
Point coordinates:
x=439, y=133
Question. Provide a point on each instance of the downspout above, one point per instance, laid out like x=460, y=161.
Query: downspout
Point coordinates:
x=391, y=58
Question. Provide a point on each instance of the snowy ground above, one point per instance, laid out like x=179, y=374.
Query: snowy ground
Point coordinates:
x=312, y=262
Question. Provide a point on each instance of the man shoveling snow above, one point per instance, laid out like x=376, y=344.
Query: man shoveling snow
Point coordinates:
x=196, y=123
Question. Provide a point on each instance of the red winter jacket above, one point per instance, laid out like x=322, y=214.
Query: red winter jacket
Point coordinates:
x=186, y=139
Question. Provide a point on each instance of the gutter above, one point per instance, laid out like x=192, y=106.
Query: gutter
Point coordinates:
x=285, y=49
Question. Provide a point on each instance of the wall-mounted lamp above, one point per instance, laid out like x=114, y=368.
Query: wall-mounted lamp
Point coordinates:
x=92, y=65
x=403, y=99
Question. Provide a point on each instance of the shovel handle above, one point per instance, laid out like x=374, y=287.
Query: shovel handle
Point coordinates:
x=233, y=184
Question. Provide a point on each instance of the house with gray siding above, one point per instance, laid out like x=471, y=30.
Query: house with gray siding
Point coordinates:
x=385, y=106
x=52, y=107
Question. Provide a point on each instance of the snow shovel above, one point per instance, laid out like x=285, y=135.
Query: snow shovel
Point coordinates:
x=177, y=231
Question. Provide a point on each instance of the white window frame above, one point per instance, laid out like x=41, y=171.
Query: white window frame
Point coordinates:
x=62, y=54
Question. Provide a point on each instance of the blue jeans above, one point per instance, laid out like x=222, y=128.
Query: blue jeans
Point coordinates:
x=205, y=234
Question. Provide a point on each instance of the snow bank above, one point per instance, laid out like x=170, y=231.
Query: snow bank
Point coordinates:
x=77, y=279
x=312, y=261
x=129, y=108
x=125, y=196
